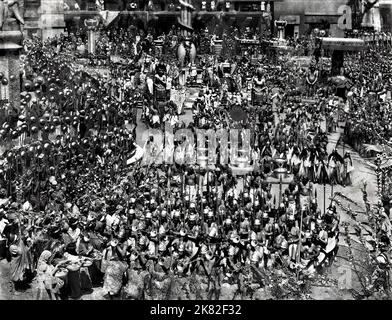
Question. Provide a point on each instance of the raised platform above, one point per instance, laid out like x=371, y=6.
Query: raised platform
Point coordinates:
x=11, y=40
x=10, y=47
x=11, y=34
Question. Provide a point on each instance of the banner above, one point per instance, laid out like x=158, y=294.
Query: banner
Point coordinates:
x=109, y=16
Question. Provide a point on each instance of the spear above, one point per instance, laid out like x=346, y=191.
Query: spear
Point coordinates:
x=201, y=199
x=182, y=195
x=299, y=245
x=208, y=184
x=188, y=186
x=197, y=187
x=168, y=188
x=9, y=181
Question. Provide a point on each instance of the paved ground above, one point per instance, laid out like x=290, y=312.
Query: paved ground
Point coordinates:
x=352, y=257
x=352, y=253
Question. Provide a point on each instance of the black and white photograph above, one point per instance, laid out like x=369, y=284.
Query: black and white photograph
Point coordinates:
x=195, y=150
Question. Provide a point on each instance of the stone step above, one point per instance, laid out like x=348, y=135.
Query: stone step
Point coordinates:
x=11, y=24
x=11, y=39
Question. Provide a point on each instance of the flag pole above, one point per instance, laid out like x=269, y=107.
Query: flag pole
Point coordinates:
x=299, y=246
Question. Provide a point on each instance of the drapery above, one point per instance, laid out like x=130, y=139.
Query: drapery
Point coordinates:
x=21, y=261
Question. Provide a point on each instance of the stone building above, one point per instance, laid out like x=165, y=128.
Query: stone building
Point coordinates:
x=44, y=18
x=386, y=15
x=302, y=16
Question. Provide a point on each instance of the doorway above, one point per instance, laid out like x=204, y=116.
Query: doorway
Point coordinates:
x=289, y=31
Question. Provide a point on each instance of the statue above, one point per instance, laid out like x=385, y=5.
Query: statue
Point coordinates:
x=10, y=8
x=186, y=48
x=186, y=52
x=311, y=79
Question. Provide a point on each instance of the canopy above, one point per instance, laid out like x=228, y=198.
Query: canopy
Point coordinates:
x=344, y=44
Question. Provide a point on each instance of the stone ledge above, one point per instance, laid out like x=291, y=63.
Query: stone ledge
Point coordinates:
x=9, y=46
x=8, y=37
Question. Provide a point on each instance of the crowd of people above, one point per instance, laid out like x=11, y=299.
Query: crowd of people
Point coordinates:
x=79, y=210
x=371, y=89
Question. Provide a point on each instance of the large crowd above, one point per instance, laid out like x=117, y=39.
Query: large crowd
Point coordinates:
x=79, y=210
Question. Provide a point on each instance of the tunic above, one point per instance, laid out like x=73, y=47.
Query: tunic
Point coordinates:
x=21, y=261
x=114, y=276
x=136, y=284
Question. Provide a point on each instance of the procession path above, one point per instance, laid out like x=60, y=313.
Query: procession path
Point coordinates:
x=352, y=258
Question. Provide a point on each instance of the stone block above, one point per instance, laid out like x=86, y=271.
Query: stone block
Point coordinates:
x=10, y=25
x=52, y=21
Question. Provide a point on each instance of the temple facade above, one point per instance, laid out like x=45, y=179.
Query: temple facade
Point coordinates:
x=302, y=16
x=44, y=18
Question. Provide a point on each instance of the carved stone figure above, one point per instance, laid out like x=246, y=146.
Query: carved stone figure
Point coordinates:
x=10, y=9
x=186, y=52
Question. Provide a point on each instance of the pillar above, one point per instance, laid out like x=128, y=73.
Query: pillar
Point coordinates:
x=377, y=17
x=280, y=25
x=10, y=46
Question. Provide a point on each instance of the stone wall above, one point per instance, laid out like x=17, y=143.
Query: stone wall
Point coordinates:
x=386, y=15
x=310, y=11
x=52, y=18
x=10, y=66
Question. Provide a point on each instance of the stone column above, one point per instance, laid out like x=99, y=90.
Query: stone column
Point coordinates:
x=281, y=25
x=10, y=47
x=52, y=18
x=377, y=17
x=386, y=15
x=186, y=17
x=91, y=25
